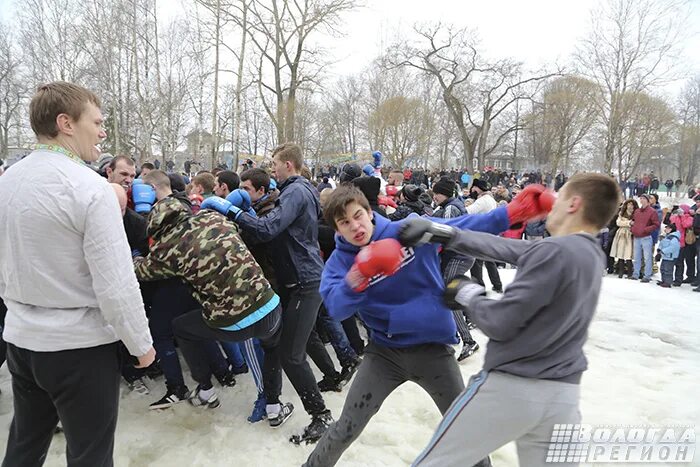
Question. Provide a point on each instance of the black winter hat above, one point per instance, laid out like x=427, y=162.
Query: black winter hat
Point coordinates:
x=481, y=184
x=411, y=192
x=444, y=186
x=369, y=186
x=349, y=172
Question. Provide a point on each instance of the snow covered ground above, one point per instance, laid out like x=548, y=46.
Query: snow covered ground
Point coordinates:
x=644, y=368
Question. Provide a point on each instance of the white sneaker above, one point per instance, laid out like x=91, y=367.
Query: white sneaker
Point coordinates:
x=139, y=387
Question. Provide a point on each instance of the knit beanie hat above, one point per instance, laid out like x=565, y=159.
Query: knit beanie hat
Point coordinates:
x=481, y=184
x=444, y=186
x=369, y=186
x=349, y=172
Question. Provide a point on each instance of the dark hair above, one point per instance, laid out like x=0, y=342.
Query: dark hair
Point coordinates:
x=258, y=178
x=290, y=152
x=601, y=197
x=53, y=99
x=228, y=178
x=623, y=208
x=177, y=182
x=113, y=163
x=338, y=201
x=147, y=165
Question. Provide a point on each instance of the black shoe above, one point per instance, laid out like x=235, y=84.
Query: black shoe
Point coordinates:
x=286, y=411
x=239, y=370
x=349, y=371
x=471, y=326
x=154, y=370
x=676, y=284
x=632, y=278
x=312, y=433
x=696, y=289
x=228, y=379
x=645, y=280
x=172, y=397
x=498, y=289
x=689, y=280
x=695, y=283
x=467, y=351
x=333, y=383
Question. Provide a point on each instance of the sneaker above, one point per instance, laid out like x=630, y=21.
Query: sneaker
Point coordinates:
x=286, y=411
x=330, y=383
x=139, y=387
x=676, y=284
x=696, y=289
x=349, y=371
x=227, y=380
x=632, y=278
x=645, y=280
x=471, y=326
x=467, y=351
x=688, y=280
x=664, y=285
x=173, y=396
x=239, y=370
x=195, y=397
x=498, y=289
x=313, y=432
x=259, y=410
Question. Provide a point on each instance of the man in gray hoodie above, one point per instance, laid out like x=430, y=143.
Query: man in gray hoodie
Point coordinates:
x=534, y=358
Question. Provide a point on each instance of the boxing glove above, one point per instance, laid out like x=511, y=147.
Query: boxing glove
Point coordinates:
x=377, y=156
x=240, y=198
x=144, y=196
x=417, y=232
x=222, y=206
x=196, y=199
x=534, y=202
x=459, y=292
x=380, y=257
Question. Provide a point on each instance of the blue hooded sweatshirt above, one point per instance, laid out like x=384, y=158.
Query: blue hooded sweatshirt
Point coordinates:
x=405, y=309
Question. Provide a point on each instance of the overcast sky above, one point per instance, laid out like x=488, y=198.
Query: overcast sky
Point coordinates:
x=536, y=31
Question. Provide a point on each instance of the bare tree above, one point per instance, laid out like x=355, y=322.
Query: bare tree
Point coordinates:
x=280, y=31
x=689, y=131
x=476, y=91
x=564, y=117
x=633, y=46
x=12, y=91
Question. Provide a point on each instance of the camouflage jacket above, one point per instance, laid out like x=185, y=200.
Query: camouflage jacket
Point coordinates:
x=206, y=251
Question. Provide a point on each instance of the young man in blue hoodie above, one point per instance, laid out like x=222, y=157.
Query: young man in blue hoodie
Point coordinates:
x=534, y=358
x=398, y=294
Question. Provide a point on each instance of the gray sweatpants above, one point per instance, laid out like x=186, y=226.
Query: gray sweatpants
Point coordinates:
x=383, y=369
x=509, y=408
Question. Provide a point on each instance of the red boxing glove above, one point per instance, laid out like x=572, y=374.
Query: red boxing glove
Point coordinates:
x=196, y=199
x=534, y=202
x=386, y=201
x=380, y=257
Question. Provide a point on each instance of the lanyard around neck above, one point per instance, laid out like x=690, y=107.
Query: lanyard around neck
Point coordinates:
x=61, y=150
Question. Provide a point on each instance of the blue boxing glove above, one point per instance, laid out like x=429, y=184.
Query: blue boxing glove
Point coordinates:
x=144, y=196
x=222, y=206
x=377, y=155
x=240, y=198
x=273, y=184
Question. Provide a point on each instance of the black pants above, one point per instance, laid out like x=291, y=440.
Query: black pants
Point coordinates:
x=478, y=275
x=80, y=387
x=301, y=304
x=383, y=369
x=3, y=345
x=192, y=333
x=353, y=333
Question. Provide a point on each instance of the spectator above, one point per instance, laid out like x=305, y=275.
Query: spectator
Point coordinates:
x=644, y=222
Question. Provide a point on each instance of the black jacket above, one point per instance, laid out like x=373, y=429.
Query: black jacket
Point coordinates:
x=291, y=228
x=135, y=226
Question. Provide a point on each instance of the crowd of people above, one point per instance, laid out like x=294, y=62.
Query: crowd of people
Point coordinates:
x=109, y=272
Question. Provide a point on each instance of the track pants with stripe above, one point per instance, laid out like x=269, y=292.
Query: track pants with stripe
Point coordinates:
x=383, y=369
x=506, y=408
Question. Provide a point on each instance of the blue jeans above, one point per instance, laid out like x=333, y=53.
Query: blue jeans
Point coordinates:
x=642, y=246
